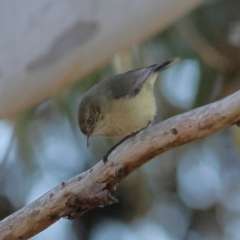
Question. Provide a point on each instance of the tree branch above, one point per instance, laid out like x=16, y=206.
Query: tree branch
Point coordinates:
x=93, y=188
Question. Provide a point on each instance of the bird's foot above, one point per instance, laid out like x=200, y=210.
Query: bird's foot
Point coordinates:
x=105, y=158
x=132, y=135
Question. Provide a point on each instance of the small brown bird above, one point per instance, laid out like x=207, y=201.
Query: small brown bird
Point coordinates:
x=121, y=105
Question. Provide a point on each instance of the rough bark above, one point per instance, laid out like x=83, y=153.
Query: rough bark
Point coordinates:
x=93, y=188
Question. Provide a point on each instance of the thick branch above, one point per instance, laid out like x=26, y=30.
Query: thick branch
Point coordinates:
x=92, y=188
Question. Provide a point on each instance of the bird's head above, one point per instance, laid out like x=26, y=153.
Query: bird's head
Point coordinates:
x=88, y=116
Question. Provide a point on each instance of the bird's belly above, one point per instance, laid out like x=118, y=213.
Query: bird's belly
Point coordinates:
x=130, y=114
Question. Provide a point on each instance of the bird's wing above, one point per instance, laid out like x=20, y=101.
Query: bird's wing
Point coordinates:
x=130, y=83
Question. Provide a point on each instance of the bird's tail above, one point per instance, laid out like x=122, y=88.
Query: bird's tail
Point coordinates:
x=166, y=65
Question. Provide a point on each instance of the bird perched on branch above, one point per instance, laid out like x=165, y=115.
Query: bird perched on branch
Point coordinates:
x=120, y=106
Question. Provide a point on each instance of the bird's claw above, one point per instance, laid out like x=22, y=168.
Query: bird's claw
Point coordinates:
x=132, y=135
x=105, y=158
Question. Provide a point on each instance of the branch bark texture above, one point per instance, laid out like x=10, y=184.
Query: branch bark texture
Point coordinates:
x=93, y=188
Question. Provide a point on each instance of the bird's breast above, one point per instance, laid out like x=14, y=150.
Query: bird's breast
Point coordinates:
x=128, y=115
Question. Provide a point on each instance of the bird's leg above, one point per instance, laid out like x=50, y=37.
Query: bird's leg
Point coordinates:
x=132, y=135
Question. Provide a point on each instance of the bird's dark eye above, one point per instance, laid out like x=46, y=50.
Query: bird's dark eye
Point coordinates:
x=90, y=121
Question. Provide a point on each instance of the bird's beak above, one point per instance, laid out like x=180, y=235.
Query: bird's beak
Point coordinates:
x=88, y=137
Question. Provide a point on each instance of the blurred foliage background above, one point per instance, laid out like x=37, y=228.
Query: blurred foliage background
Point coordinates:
x=191, y=192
